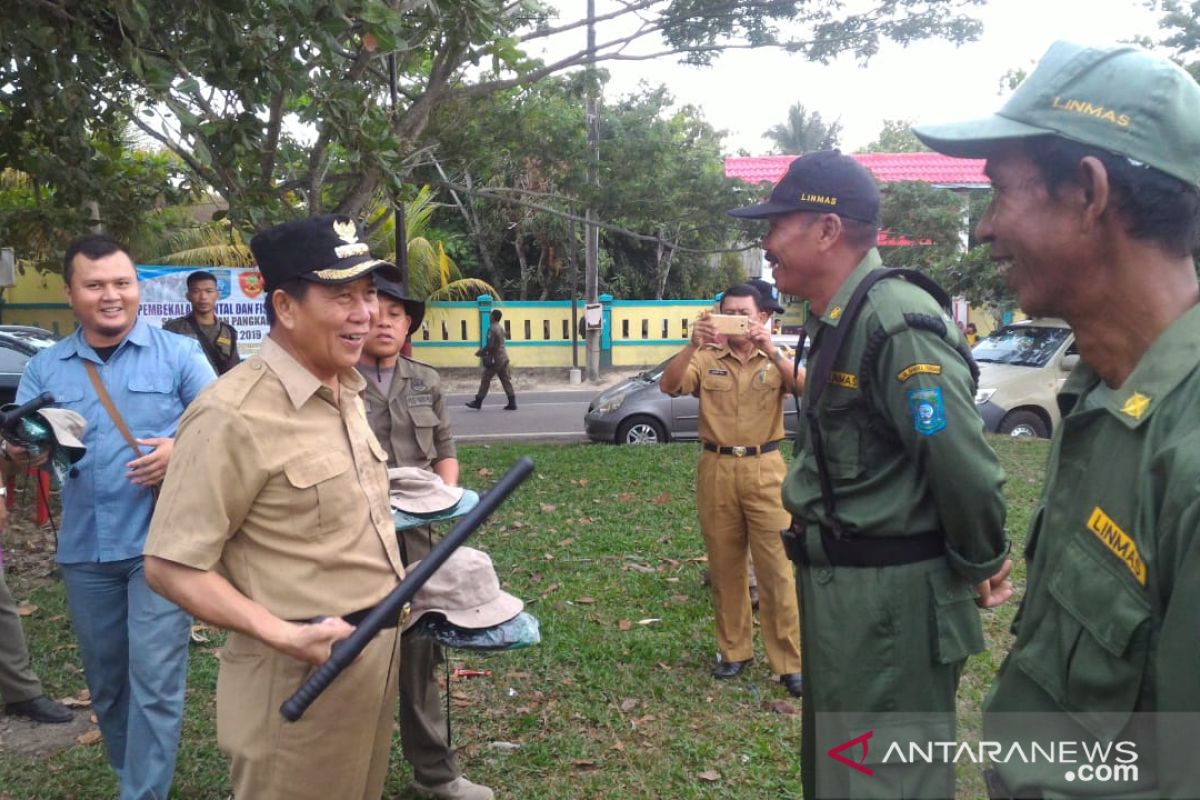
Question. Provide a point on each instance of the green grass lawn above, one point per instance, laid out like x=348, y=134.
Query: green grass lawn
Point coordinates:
x=602, y=543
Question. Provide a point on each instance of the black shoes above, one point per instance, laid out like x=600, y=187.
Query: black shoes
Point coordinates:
x=41, y=709
x=724, y=670
x=794, y=683
x=512, y=404
x=475, y=404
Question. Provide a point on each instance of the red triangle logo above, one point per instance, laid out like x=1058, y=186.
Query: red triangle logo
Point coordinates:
x=836, y=753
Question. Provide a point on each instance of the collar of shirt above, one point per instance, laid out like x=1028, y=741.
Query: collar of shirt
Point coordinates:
x=298, y=382
x=1171, y=358
x=76, y=345
x=720, y=351
x=833, y=312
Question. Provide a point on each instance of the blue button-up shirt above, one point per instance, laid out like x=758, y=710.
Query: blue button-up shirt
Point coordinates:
x=151, y=377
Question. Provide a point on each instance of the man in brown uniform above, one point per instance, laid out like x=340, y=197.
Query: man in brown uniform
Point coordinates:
x=742, y=384
x=274, y=523
x=407, y=411
x=495, y=363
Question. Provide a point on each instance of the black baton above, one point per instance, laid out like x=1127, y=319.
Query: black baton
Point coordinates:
x=390, y=607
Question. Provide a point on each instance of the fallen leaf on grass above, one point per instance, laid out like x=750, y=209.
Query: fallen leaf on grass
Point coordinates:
x=26, y=610
x=618, y=746
x=781, y=707
x=90, y=737
x=484, y=472
x=81, y=700
x=624, y=497
x=662, y=499
x=584, y=763
x=629, y=704
x=624, y=625
x=582, y=482
x=551, y=588
x=585, y=520
x=585, y=601
x=680, y=598
x=548, y=508
x=516, y=524
x=518, y=676
x=642, y=568
x=566, y=543
x=709, y=775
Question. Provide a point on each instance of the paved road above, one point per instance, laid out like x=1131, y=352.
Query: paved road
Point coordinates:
x=540, y=416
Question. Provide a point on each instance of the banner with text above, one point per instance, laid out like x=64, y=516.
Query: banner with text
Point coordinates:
x=240, y=303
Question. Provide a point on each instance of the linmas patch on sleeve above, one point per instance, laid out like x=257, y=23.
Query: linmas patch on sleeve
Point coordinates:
x=918, y=369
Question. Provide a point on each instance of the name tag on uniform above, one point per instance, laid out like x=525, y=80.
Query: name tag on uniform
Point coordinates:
x=420, y=399
x=224, y=341
x=721, y=372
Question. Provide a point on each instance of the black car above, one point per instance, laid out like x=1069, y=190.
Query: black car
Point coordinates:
x=18, y=344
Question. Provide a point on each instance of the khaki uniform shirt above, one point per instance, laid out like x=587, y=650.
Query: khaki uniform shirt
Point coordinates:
x=282, y=491
x=741, y=404
x=1108, y=634
x=411, y=421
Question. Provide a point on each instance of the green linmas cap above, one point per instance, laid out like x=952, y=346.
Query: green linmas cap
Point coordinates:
x=1121, y=99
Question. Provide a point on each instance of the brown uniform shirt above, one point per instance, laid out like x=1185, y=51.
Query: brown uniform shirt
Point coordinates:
x=740, y=404
x=411, y=421
x=282, y=491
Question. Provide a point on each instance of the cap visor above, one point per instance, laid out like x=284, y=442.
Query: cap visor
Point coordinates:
x=975, y=138
x=762, y=211
x=336, y=275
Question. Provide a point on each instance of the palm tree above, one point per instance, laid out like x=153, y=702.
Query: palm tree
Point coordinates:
x=804, y=132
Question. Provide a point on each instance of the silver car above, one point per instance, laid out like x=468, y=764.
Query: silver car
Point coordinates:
x=637, y=412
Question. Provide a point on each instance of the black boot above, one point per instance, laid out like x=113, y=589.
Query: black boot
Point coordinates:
x=475, y=404
x=512, y=403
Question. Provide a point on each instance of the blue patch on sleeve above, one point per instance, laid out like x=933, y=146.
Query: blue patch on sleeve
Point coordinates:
x=927, y=410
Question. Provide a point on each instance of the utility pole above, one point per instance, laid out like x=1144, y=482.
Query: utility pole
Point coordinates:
x=398, y=207
x=591, y=279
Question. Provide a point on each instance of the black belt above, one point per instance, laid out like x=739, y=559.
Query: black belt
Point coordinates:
x=355, y=618
x=740, y=451
x=863, y=551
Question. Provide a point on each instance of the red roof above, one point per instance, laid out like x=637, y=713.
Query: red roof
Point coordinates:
x=932, y=168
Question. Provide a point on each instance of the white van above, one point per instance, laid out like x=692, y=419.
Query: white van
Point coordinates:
x=1021, y=368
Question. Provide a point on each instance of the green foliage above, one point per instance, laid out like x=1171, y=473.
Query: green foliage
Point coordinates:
x=896, y=136
x=804, y=132
x=1181, y=23
x=933, y=220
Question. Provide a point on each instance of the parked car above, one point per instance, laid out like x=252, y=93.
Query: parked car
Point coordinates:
x=18, y=344
x=636, y=411
x=1021, y=368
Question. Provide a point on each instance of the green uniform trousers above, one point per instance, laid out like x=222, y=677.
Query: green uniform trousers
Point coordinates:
x=424, y=729
x=884, y=649
x=740, y=513
x=17, y=681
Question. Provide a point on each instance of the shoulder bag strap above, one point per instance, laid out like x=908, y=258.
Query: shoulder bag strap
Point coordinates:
x=107, y=402
x=208, y=347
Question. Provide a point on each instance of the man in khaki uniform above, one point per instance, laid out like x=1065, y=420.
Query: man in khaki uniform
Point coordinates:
x=407, y=412
x=742, y=384
x=274, y=523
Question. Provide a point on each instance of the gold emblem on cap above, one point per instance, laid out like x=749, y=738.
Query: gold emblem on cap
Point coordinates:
x=348, y=272
x=1136, y=405
x=346, y=230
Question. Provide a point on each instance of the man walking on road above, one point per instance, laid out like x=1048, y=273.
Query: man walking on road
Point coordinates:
x=494, y=356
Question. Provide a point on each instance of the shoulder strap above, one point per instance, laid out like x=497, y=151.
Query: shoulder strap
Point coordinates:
x=107, y=402
x=208, y=347
x=821, y=366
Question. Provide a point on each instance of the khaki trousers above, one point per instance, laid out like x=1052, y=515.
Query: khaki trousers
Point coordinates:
x=741, y=511
x=338, y=749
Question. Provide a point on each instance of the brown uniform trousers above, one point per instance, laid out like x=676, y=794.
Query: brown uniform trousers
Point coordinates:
x=740, y=505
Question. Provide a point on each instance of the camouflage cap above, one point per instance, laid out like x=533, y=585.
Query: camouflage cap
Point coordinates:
x=1120, y=99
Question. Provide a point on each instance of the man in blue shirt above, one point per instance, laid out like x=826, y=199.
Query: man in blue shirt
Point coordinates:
x=134, y=643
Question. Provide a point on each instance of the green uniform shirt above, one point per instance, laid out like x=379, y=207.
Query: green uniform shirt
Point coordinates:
x=902, y=437
x=1110, y=621
x=411, y=422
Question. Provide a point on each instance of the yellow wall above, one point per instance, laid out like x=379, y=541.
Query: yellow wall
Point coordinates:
x=38, y=299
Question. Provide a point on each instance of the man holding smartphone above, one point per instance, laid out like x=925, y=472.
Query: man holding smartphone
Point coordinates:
x=742, y=381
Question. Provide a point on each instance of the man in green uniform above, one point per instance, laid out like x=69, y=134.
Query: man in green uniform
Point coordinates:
x=1095, y=164
x=407, y=413
x=742, y=382
x=217, y=339
x=495, y=363
x=890, y=560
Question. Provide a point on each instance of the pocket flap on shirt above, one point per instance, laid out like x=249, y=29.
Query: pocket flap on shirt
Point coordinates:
x=161, y=384
x=424, y=416
x=1106, y=605
x=309, y=470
